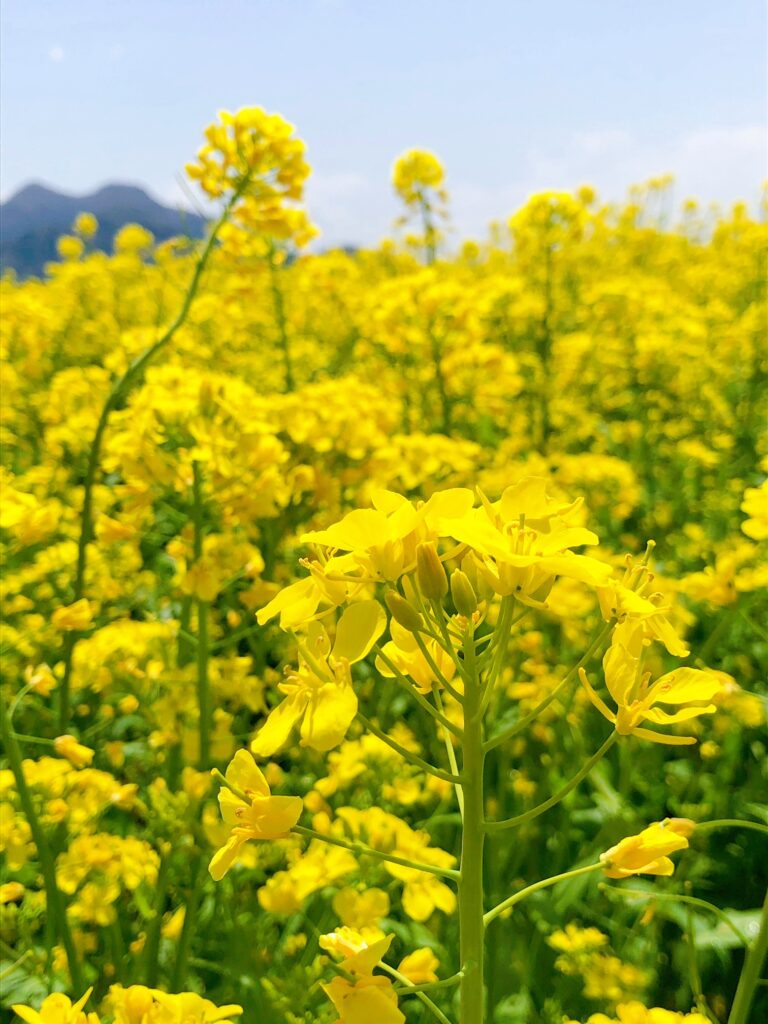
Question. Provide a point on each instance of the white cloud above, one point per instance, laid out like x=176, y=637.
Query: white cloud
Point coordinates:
x=56, y=54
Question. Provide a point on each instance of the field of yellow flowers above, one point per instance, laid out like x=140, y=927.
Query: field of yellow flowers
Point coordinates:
x=385, y=633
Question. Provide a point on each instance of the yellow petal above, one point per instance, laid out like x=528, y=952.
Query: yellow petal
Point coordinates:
x=277, y=728
x=244, y=774
x=328, y=716
x=222, y=860
x=359, y=627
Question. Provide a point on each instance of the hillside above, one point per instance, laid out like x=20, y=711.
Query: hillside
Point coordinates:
x=33, y=218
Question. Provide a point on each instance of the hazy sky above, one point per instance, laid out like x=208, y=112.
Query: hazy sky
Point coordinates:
x=514, y=96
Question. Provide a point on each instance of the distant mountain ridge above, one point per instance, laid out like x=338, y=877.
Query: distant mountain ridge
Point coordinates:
x=35, y=216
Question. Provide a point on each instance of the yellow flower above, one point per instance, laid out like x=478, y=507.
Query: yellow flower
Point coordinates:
x=75, y=616
x=78, y=755
x=69, y=247
x=755, y=505
x=190, y=1008
x=85, y=225
x=523, y=541
x=11, y=892
x=368, y=997
x=40, y=679
x=646, y=853
x=58, y=1009
x=688, y=688
x=362, y=910
x=319, y=693
x=415, y=171
x=255, y=814
x=420, y=967
x=404, y=652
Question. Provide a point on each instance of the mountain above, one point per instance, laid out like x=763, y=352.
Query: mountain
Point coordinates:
x=33, y=218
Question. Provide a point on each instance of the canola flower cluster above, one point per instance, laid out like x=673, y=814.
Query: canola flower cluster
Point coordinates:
x=332, y=636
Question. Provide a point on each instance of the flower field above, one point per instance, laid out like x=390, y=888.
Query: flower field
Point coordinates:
x=385, y=632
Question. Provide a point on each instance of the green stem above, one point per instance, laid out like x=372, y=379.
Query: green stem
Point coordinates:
x=367, y=851
x=406, y=754
x=521, y=819
x=731, y=823
x=282, y=327
x=203, y=681
x=179, y=977
x=503, y=626
x=676, y=897
x=54, y=897
x=431, y=986
x=117, y=393
x=523, y=723
x=471, y=894
x=407, y=684
x=151, y=951
x=511, y=901
x=450, y=752
x=750, y=974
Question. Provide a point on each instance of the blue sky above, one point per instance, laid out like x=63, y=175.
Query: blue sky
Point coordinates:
x=515, y=97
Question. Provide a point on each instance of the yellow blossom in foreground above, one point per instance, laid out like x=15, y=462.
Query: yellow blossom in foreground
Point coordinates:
x=368, y=997
x=319, y=693
x=251, y=811
x=138, y=1004
x=78, y=755
x=647, y=852
x=690, y=689
x=58, y=1009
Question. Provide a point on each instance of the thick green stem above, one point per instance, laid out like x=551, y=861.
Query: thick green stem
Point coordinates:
x=203, y=682
x=750, y=974
x=471, y=901
x=56, y=906
x=118, y=393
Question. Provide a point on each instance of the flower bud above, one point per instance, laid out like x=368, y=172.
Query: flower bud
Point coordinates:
x=430, y=573
x=462, y=593
x=403, y=612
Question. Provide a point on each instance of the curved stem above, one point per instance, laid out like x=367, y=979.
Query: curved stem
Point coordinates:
x=521, y=819
x=406, y=754
x=54, y=897
x=407, y=684
x=756, y=826
x=367, y=851
x=511, y=901
x=117, y=393
x=675, y=897
x=203, y=681
x=750, y=974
